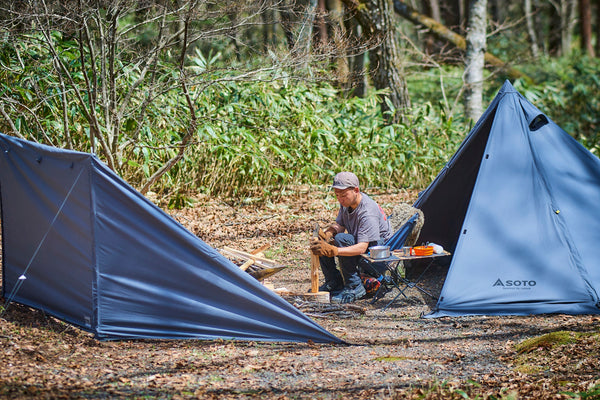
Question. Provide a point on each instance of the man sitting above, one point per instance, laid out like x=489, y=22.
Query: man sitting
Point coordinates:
x=360, y=224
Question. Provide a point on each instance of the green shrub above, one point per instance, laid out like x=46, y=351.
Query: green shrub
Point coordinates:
x=259, y=135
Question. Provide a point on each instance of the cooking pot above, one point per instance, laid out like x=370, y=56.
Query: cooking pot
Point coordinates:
x=378, y=252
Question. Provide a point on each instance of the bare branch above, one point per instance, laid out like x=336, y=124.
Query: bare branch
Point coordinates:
x=9, y=120
x=192, y=126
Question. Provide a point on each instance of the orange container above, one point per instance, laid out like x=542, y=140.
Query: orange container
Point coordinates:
x=423, y=250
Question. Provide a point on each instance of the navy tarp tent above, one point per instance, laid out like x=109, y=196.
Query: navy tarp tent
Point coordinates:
x=519, y=207
x=82, y=245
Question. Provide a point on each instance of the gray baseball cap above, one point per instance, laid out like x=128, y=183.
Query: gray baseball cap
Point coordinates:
x=345, y=180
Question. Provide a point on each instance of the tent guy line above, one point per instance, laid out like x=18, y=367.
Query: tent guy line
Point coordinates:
x=23, y=275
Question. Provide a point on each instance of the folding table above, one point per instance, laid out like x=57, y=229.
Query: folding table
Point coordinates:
x=396, y=279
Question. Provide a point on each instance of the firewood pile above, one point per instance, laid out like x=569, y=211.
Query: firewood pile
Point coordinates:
x=254, y=262
x=261, y=268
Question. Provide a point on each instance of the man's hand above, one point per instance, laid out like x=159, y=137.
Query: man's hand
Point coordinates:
x=327, y=236
x=320, y=247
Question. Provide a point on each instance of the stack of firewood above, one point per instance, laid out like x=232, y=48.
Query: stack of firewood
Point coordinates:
x=254, y=262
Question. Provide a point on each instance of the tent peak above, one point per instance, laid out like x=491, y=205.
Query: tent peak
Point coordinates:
x=507, y=87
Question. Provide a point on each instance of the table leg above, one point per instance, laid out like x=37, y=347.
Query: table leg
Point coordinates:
x=414, y=284
x=398, y=280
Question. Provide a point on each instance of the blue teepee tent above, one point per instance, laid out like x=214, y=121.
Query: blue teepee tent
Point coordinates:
x=82, y=245
x=518, y=205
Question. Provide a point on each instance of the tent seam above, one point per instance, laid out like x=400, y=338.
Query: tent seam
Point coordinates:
x=96, y=309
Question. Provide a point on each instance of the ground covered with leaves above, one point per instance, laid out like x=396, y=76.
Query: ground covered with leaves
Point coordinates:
x=393, y=351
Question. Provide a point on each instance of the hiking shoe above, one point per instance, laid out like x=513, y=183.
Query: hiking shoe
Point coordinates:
x=349, y=295
x=331, y=288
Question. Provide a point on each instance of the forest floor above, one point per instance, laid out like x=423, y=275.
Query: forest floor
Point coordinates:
x=394, y=352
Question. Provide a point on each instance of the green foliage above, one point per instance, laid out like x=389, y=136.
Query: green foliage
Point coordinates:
x=592, y=394
x=566, y=91
x=255, y=137
x=263, y=136
x=441, y=86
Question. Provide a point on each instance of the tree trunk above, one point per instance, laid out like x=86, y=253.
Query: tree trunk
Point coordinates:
x=499, y=10
x=598, y=29
x=374, y=16
x=434, y=6
x=304, y=37
x=287, y=23
x=585, y=26
x=454, y=13
x=321, y=34
x=432, y=9
x=268, y=21
x=356, y=64
x=566, y=13
x=535, y=52
x=443, y=32
x=475, y=53
x=462, y=14
x=338, y=33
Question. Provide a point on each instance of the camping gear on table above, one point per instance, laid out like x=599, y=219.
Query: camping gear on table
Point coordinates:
x=82, y=245
x=422, y=250
x=379, y=252
x=376, y=268
x=517, y=205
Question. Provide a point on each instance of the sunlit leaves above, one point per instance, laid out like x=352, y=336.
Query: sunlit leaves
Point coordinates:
x=252, y=137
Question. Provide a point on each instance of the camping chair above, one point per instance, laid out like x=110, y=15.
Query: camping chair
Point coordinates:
x=379, y=269
x=399, y=237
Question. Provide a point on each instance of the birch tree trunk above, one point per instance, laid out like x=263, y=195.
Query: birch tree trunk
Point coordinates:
x=476, y=42
x=566, y=10
x=535, y=52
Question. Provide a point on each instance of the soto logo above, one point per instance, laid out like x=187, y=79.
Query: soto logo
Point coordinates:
x=515, y=284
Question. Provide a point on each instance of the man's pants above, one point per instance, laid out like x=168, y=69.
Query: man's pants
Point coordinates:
x=350, y=266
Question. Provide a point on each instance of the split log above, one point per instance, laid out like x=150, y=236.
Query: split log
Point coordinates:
x=258, y=252
x=258, y=260
x=246, y=264
x=314, y=265
x=255, y=264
